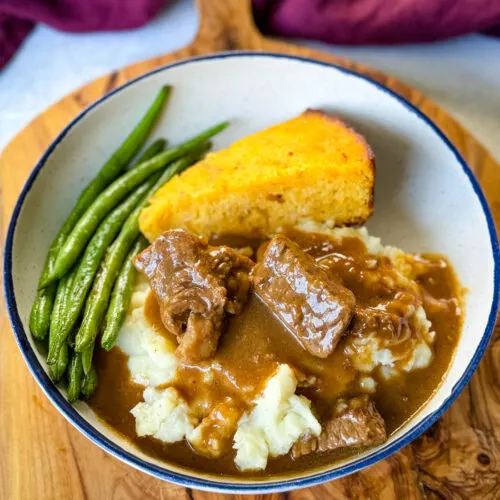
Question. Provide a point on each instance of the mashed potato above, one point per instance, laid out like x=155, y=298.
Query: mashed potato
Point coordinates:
x=152, y=361
x=277, y=421
x=164, y=415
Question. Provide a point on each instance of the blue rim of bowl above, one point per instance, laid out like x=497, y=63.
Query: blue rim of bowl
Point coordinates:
x=185, y=480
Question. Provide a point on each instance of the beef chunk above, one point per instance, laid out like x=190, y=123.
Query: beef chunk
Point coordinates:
x=311, y=304
x=195, y=285
x=214, y=436
x=354, y=422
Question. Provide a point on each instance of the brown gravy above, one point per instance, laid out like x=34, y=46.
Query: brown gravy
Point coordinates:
x=255, y=341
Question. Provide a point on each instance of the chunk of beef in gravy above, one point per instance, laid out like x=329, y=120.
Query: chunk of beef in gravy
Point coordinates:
x=195, y=285
x=390, y=318
x=308, y=301
x=354, y=423
x=214, y=436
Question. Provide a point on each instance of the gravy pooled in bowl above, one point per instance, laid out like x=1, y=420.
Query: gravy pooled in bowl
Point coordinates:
x=300, y=372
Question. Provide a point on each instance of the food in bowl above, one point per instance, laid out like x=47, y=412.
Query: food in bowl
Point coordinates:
x=258, y=394
x=263, y=335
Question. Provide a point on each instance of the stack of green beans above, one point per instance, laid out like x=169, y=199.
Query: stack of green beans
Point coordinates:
x=87, y=281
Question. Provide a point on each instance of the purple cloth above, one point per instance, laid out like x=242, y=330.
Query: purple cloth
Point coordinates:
x=356, y=22
x=350, y=22
x=17, y=17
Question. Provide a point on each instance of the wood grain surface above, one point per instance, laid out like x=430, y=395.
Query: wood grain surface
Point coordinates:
x=43, y=457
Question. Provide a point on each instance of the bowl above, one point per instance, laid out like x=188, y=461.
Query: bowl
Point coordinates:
x=426, y=200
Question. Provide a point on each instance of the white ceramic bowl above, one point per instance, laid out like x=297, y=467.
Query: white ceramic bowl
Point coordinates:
x=427, y=200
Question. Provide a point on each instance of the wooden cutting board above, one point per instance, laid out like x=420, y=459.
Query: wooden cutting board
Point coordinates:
x=44, y=457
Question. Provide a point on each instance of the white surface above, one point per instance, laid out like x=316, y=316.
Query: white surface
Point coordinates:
x=411, y=192
x=462, y=75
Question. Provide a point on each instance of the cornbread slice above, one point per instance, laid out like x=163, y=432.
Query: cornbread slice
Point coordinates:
x=310, y=168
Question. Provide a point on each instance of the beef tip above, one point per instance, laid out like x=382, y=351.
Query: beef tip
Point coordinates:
x=382, y=322
x=214, y=436
x=309, y=302
x=353, y=423
x=195, y=285
x=390, y=319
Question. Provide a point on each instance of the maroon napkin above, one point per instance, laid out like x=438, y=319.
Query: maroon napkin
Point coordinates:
x=17, y=17
x=356, y=22
x=335, y=21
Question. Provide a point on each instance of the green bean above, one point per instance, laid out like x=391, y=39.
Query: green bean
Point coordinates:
x=98, y=299
x=111, y=196
x=152, y=150
x=63, y=295
x=75, y=375
x=57, y=369
x=87, y=356
x=44, y=301
x=101, y=207
x=85, y=272
x=121, y=296
x=46, y=296
x=89, y=384
x=41, y=311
